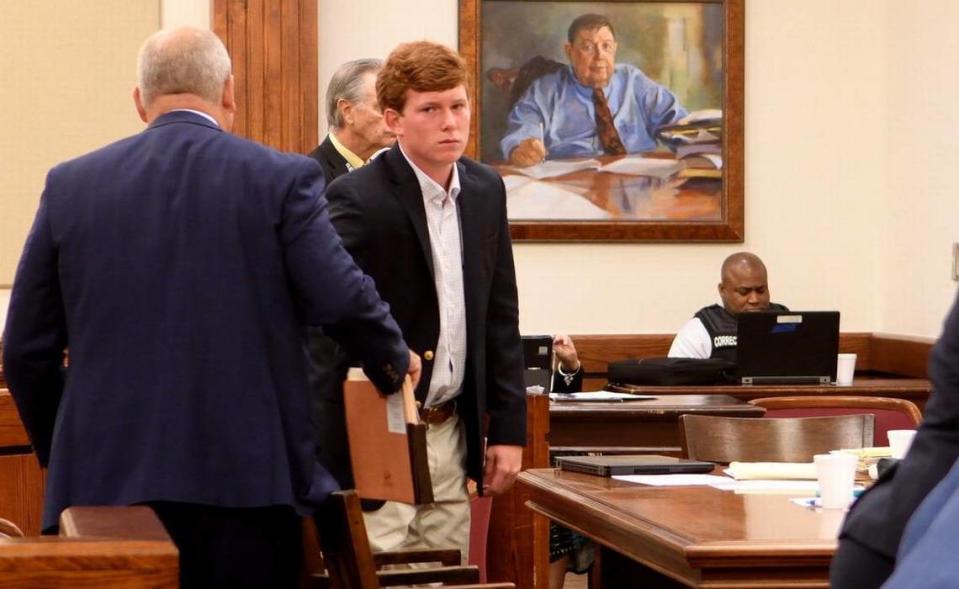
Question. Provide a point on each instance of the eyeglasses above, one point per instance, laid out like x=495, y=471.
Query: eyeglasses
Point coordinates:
x=590, y=47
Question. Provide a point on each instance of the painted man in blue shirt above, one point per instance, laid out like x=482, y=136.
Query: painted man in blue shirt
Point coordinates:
x=591, y=107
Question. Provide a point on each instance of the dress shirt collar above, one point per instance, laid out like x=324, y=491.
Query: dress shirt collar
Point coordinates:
x=430, y=188
x=587, y=91
x=196, y=112
x=353, y=161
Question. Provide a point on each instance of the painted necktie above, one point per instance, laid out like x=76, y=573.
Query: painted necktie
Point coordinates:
x=608, y=136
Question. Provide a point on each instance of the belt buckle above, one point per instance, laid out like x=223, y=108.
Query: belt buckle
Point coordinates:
x=436, y=414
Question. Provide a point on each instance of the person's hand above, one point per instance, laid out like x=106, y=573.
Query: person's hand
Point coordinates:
x=566, y=352
x=415, y=370
x=503, y=463
x=529, y=152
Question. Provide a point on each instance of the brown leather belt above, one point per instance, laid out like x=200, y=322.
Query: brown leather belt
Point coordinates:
x=438, y=413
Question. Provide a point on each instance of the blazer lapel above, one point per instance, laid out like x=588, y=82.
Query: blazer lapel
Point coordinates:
x=410, y=196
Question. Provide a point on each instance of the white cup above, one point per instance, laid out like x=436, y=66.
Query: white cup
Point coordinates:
x=845, y=368
x=899, y=441
x=836, y=474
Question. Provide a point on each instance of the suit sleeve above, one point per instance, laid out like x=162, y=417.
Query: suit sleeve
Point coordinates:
x=506, y=395
x=333, y=289
x=36, y=335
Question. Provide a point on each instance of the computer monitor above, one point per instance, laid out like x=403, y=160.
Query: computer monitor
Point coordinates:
x=787, y=347
x=538, y=361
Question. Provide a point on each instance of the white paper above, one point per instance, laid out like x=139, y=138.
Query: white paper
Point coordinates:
x=540, y=200
x=554, y=168
x=598, y=396
x=636, y=165
x=772, y=470
x=715, y=159
x=759, y=487
x=673, y=480
x=395, y=420
x=706, y=114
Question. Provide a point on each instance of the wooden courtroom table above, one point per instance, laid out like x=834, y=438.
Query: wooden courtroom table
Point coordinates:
x=688, y=536
x=913, y=389
x=648, y=426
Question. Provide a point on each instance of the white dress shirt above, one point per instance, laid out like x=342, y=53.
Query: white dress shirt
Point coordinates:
x=692, y=341
x=442, y=219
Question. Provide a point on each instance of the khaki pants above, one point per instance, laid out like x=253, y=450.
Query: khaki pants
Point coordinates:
x=445, y=523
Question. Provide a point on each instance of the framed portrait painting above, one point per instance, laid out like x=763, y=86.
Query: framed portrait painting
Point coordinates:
x=610, y=121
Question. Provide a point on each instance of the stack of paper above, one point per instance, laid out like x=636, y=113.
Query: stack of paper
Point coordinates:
x=772, y=470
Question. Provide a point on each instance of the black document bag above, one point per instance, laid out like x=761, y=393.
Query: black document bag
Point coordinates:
x=672, y=371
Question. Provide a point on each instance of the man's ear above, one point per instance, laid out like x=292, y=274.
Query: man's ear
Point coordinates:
x=568, y=48
x=228, y=102
x=346, y=110
x=394, y=121
x=138, y=101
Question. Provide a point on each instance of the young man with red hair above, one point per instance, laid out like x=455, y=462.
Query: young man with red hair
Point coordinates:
x=429, y=226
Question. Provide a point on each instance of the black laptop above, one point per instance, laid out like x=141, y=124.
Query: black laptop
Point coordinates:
x=787, y=347
x=607, y=466
x=538, y=361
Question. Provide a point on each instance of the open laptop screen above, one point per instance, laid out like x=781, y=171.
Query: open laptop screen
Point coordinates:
x=538, y=361
x=787, y=347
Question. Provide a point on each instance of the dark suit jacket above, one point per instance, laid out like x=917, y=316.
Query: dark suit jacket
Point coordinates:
x=379, y=212
x=877, y=519
x=333, y=164
x=927, y=556
x=179, y=266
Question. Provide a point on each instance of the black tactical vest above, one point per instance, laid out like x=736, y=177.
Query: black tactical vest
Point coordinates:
x=721, y=327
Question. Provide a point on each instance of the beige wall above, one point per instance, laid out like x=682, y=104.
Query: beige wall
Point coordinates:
x=920, y=217
x=68, y=72
x=849, y=135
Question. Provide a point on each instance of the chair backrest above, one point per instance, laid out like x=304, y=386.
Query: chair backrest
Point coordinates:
x=352, y=565
x=889, y=413
x=797, y=439
x=346, y=547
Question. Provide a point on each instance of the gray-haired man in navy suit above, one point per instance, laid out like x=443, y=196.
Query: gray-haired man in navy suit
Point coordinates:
x=180, y=266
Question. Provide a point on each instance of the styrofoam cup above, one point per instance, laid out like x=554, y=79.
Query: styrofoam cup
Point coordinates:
x=836, y=474
x=899, y=441
x=845, y=369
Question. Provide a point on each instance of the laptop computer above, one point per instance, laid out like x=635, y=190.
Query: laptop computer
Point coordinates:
x=538, y=361
x=607, y=466
x=787, y=347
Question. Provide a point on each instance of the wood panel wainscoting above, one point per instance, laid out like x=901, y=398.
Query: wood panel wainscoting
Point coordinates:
x=21, y=480
x=273, y=44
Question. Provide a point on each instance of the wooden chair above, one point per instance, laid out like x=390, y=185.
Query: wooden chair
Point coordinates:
x=797, y=439
x=353, y=565
x=889, y=413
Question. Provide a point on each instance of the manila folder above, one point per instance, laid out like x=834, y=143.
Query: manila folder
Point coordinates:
x=387, y=444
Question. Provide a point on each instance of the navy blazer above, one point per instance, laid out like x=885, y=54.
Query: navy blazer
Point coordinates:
x=878, y=518
x=379, y=211
x=179, y=267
